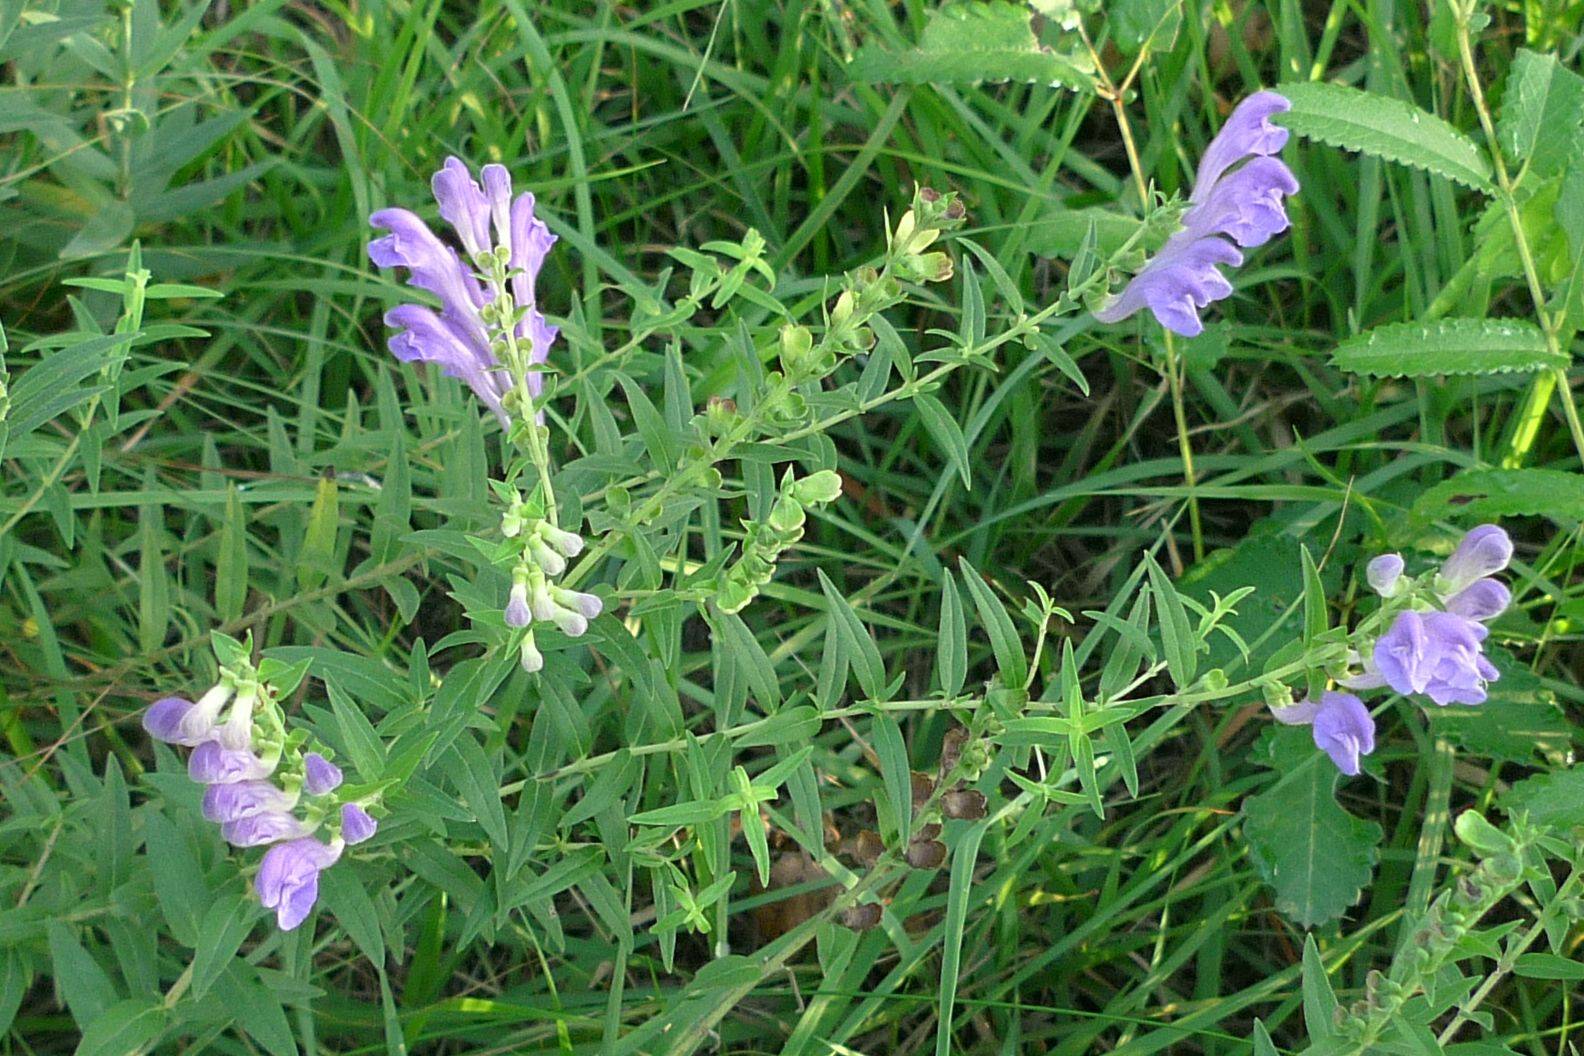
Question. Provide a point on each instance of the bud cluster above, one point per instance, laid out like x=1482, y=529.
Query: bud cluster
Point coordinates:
x=768, y=539
x=538, y=553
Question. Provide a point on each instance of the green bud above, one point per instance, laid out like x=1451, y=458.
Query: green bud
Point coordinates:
x=787, y=516
x=819, y=487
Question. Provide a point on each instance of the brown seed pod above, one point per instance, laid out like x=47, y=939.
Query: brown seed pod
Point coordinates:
x=923, y=788
x=862, y=918
x=929, y=832
x=951, y=749
x=866, y=848
x=964, y=803
x=926, y=854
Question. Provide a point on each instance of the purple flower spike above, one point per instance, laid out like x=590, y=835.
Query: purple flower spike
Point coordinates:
x=1242, y=205
x=260, y=829
x=1383, y=573
x=1437, y=654
x=244, y=799
x=1344, y=730
x=213, y=764
x=1483, y=599
x=288, y=878
x=163, y=719
x=320, y=774
x=1483, y=552
x=485, y=219
x=356, y=823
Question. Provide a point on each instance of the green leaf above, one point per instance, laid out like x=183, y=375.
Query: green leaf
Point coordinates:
x=1011, y=661
x=895, y=771
x=1494, y=494
x=1542, y=111
x=1319, y=1000
x=964, y=857
x=968, y=41
x=225, y=924
x=231, y=569
x=1556, y=798
x=1315, y=856
x=1385, y=128
x=946, y=433
x=952, y=659
x=859, y=646
x=83, y=983
x=125, y=1027
x=1447, y=346
x=316, y=558
x=1548, y=966
x=1177, y=638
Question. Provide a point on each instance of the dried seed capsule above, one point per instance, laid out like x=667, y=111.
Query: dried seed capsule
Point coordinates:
x=926, y=854
x=923, y=788
x=964, y=803
x=862, y=918
x=867, y=848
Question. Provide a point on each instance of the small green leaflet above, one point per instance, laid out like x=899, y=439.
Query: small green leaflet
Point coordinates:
x=969, y=42
x=1491, y=494
x=1447, y=346
x=1385, y=128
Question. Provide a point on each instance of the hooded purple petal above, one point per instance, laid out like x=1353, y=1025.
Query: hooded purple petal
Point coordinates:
x=288, y=878
x=1484, y=551
x=256, y=830
x=423, y=336
x=1247, y=205
x=1179, y=281
x=163, y=720
x=1438, y=654
x=211, y=763
x=1344, y=730
x=356, y=823
x=434, y=266
x=244, y=799
x=1483, y=599
x=1248, y=131
x=320, y=775
x=462, y=205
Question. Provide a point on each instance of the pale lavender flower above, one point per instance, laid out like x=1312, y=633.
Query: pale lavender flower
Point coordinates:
x=176, y=720
x=1483, y=599
x=357, y=824
x=1344, y=730
x=244, y=799
x=517, y=612
x=256, y=830
x=288, y=878
x=1438, y=654
x=457, y=339
x=1484, y=551
x=1384, y=573
x=586, y=605
x=211, y=763
x=320, y=775
x=1229, y=207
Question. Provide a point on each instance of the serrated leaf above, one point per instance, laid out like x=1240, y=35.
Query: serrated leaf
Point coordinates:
x=1492, y=494
x=969, y=42
x=1384, y=127
x=1542, y=110
x=1556, y=798
x=1447, y=346
x=1315, y=856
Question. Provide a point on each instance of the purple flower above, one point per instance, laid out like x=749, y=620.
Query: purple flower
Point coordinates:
x=288, y=878
x=1484, y=551
x=1229, y=207
x=517, y=612
x=211, y=763
x=1438, y=654
x=320, y=774
x=1344, y=730
x=356, y=823
x=176, y=720
x=1483, y=599
x=457, y=339
x=259, y=829
x=1383, y=574
x=244, y=799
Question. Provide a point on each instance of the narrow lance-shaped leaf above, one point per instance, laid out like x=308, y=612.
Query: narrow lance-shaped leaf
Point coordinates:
x=1448, y=346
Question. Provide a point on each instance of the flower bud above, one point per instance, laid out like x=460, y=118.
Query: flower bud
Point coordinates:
x=529, y=656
